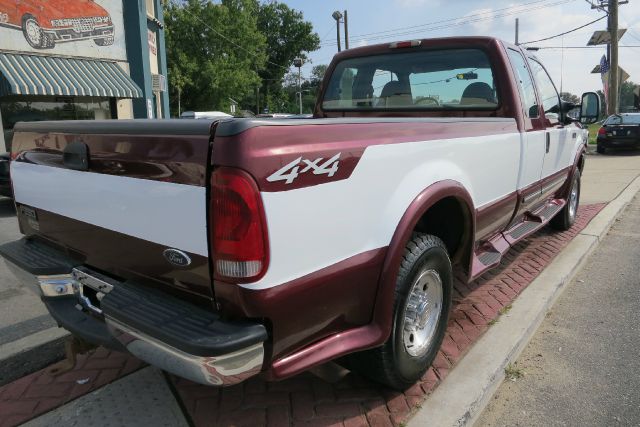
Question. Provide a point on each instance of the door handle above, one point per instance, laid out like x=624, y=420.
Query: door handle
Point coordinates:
x=548, y=141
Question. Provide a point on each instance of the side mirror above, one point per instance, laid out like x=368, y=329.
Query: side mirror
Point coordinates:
x=589, y=108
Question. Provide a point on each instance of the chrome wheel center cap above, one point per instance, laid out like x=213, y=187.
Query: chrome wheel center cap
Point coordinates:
x=422, y=312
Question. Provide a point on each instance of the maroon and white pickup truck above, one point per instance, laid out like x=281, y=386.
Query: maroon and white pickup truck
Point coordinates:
x=218, y=250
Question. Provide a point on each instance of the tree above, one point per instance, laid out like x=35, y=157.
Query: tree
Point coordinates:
x=288, y=37
x=626, y=95
x=214, y=52
x=566, y=96
x=603, y=104
x=317, y=73
x=288, y=97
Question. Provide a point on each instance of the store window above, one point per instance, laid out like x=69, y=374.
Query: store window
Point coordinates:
x=21, y=109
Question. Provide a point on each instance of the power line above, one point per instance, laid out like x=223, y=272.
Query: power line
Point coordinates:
x=595, y=6
x=566, y=32
x=444, y=20
x=451, y=22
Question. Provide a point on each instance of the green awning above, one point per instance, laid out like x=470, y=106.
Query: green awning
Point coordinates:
x=22, y=74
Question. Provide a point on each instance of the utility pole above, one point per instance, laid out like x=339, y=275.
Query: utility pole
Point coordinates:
x=257, y=100
x=614, y=81
x=179, y=94
x=337, y=16
x=517, y=30
x=297, y=62
x=346, y=30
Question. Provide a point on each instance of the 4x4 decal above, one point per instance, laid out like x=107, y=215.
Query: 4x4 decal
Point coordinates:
x=291, y=171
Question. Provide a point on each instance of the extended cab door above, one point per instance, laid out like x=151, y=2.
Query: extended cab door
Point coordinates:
x=533, y=137
x=558, y=142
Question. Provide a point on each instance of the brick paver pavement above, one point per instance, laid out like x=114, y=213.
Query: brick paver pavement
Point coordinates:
x=305, y=399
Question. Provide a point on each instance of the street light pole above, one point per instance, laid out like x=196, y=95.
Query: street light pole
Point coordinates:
x=298, y=63
x=337, y=16
x=346, y=30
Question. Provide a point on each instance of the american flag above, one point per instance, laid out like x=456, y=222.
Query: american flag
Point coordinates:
x=604, y=75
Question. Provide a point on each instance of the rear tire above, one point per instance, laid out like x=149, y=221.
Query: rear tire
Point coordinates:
x=420, y=315
x=600, y=149
x=567, y=216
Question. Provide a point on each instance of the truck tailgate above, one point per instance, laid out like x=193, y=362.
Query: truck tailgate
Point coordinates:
x=137, y=209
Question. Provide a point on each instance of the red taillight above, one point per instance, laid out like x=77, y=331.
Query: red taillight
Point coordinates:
x=601, y=131
x=238, y=227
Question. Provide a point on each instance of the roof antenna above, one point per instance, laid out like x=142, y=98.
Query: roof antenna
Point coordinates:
x=561, y=64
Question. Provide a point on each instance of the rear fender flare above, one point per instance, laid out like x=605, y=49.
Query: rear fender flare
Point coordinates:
x=580, y=157
x=383, y=310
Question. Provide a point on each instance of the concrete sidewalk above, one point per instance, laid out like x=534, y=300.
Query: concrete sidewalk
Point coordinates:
x=581, y=366
x=139, y=399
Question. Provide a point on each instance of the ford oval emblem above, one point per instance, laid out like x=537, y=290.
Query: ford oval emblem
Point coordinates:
x=177, y=257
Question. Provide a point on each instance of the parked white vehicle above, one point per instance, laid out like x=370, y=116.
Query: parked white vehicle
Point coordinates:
x=204, y=115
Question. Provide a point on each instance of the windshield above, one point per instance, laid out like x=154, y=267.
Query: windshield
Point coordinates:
x=434, y=79
x=623, y=119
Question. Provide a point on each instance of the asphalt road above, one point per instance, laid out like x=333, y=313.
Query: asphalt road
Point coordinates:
x=582, y=367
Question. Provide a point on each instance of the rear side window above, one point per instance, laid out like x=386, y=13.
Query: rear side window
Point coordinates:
x=525, y=84
x=623, y=119
x=432, y=79
x=548, y=94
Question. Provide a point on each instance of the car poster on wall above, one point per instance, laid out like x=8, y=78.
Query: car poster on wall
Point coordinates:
x=86, y=28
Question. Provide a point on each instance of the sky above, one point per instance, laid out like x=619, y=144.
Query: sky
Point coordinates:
x=380, y=21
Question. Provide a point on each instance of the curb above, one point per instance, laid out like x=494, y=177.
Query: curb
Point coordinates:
x=31, y=353
x=462, y=397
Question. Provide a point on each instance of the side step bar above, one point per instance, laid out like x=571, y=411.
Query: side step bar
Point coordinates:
x=490, y=254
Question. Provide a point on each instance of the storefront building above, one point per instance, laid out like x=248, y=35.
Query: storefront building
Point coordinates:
x=80, y=60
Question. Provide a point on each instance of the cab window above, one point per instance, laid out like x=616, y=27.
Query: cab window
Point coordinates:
x=525, y=84
x=446, y=79
x=548, y=94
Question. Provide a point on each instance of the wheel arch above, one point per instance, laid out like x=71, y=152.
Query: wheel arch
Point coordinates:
x=578, y=165
x=440, y=195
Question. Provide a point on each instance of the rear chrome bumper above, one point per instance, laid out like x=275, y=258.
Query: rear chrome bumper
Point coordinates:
x=213, y=352
x=224, y=370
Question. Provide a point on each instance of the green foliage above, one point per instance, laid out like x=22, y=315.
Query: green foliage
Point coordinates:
x=217, y=51
x=214, y=52
x=626, y=95
x=566, y=96
x=603, y=104
x=289, y=101
x=288, y=37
